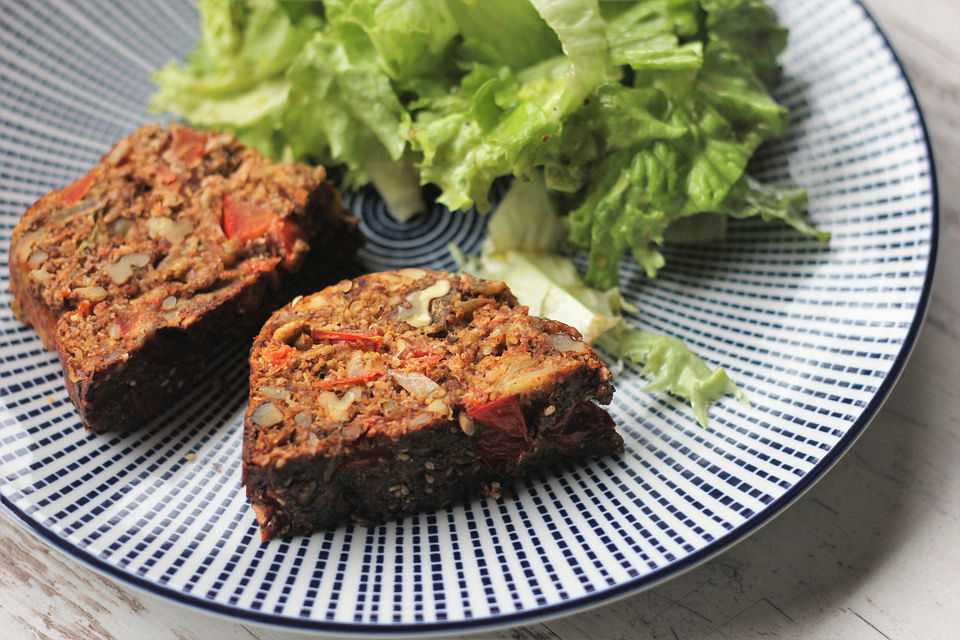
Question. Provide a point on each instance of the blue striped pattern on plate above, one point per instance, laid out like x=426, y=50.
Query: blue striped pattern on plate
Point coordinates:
x=814, y=334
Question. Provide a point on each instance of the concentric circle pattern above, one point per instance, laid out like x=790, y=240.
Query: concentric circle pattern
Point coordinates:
x=814, y=334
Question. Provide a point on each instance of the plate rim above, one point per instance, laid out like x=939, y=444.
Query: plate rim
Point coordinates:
x=582, y=603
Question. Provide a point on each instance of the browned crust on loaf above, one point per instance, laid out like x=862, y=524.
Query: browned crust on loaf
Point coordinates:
x=129, y=274
x=341, y=426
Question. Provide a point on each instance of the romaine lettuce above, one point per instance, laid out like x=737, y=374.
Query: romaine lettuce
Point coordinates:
x=638, y=113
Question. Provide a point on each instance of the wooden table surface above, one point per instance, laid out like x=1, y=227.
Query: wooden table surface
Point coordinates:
x=872, y=551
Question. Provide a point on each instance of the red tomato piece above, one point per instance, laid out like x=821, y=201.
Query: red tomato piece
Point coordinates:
x=74, y=192
x=243, y=220
x=279, y=356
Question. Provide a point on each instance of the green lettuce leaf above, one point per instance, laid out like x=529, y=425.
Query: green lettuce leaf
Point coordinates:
x=748, y=198
x=234, y=79
x=750, y=30
x=656, y=178
x=407, y=38
x=641, y=115
x=496, y=121
x=580, y=28
x=671, y=366
x=504, y=33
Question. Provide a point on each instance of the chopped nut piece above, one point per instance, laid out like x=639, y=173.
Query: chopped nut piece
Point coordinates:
x=122, y=226
x=267, y=415
x=94, y=293
x=274, y=392
x=122, y=270
x=413, y=274
x=418, y=315
x=337, y=408
x=167, y=229
x=169, y=303
x=467, y=424
x=40, y=275
x=439, y=407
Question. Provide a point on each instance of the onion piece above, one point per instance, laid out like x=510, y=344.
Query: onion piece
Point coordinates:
x=415, y=383
x=565, y=342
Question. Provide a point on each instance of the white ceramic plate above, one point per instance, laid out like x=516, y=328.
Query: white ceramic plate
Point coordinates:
x=816, y=335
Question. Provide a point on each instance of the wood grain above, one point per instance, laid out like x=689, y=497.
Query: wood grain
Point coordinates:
x=871, y=552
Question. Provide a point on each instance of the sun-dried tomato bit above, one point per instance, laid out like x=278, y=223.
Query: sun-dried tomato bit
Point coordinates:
x=286, y=232
x=336, y=382
x=278, y=356
x=503, y=414
x=188, y=144
x=422, y=362
x=74, y=192
x=505, y=442
x=360, y=339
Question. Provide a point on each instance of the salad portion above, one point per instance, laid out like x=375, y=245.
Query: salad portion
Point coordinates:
x=626, y=124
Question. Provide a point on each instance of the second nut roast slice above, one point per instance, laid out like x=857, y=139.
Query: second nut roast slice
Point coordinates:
x=409, y=390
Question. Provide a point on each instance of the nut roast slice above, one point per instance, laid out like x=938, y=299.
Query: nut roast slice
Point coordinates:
x=405, y=391
x=167, y=253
